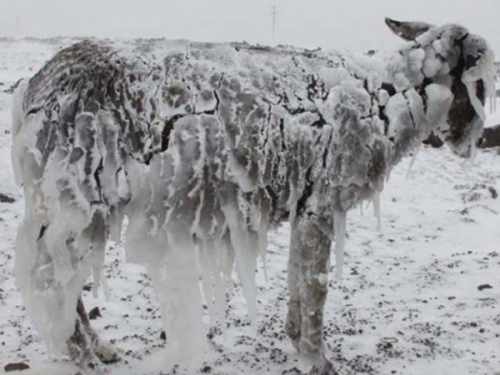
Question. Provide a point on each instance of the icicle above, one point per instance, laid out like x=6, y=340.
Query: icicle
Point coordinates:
x=226, y=257
x=412, y=162
x=212, y=281
x=339, y=222
x=97, y=276
x=180, y=297
x=474, y=100
x=494, y=100
x=262, y=237
x=246, y=266
x=388, y=176
x=377, y=209
x=105, y=287
x=97, y=271
x=246, y=252
x=492, y=103
x=264, y=266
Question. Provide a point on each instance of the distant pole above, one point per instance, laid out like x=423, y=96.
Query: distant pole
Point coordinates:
x=274, y=13
x=18, y=25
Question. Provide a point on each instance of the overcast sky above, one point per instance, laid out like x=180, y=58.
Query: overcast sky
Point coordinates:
x=342, y=24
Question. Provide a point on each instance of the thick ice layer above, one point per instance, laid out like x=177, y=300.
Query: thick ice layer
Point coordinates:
x=202, y=148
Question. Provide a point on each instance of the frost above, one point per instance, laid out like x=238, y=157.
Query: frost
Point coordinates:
x=383, y=97
x=202, y=151
x=438, y=47
x=17, y=122
x=416, y=59
x=401, y=82
x=432, y=64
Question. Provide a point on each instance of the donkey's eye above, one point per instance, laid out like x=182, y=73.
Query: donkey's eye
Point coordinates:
x=471, y=60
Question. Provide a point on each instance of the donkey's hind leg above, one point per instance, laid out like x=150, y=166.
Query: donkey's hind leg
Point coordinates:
x=84, y=345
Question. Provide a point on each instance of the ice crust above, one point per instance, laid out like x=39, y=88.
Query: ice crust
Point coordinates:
x=202, y=151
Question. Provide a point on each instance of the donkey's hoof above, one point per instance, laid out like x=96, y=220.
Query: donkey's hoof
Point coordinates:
x=292, y=329
x=107, y=354
x=311, y=350
x=324, y=367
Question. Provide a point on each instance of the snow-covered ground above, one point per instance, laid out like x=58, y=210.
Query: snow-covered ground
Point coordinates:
x=422, y=296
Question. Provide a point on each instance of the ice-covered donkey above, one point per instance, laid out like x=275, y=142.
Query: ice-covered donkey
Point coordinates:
x=203, y=147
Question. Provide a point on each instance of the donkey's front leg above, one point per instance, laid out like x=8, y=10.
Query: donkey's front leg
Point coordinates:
x=310, y=253
x=83, y=341
x=84, y=345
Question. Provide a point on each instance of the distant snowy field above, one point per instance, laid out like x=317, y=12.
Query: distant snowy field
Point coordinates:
x=420, y=297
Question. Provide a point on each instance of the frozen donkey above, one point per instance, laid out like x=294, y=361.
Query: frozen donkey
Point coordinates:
x=203, y=147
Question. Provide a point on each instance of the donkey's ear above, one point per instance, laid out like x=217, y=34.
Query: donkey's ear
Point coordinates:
x=407, y=30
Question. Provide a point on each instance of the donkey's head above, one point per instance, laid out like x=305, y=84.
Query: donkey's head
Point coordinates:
x=454, y=72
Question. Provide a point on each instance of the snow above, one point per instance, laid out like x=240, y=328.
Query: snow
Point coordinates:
x=419, y=275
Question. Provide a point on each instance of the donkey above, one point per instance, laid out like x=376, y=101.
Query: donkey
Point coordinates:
x=206, y=148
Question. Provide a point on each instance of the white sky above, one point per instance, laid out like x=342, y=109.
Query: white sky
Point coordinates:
x=342, y=24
